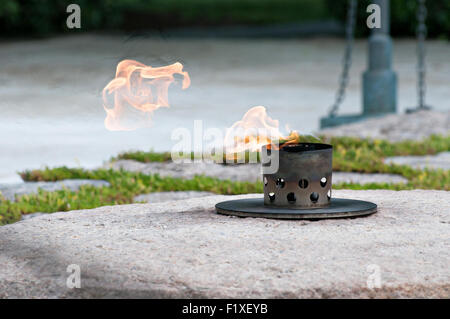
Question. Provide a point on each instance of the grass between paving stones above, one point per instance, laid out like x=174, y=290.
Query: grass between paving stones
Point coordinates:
x=124, y=186
x=350, y=154
x=144, y=157
x=367, y=156
x=347, y=148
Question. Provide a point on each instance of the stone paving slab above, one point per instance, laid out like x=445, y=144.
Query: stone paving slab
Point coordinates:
x=9, y=191
x=349, y=177
x=441, y=160
x=183, y=249
x=32, y=215
x=397, y=127
x=247, y=172
x=159, y=197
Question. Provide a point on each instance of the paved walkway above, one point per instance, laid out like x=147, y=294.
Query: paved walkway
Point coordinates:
x=397, y=127
x=51, y=90
x=441, y=160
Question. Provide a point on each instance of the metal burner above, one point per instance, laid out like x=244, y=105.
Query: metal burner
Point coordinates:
x=303, y=178
x=299, y=189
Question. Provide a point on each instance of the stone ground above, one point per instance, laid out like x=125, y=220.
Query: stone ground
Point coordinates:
x=183, y=249
x=159, y=197
x=397, y=127
x=59, y=121
x=441, y=160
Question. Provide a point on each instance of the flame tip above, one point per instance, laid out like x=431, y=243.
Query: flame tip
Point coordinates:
x=136, y=91
x=259, y=129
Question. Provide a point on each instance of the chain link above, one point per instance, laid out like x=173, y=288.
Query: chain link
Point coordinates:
x=421, y=36
x=347, y=60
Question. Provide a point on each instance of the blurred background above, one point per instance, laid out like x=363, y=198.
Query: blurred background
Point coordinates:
x=283, y=54
x=39, y=18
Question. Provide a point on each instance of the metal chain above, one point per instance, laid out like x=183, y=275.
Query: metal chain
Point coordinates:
x=421, y=36
x=347, y=60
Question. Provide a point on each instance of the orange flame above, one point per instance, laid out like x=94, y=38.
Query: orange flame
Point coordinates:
x=255, y=130
x=137, y=90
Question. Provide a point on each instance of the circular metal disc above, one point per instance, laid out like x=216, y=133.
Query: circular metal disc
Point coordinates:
x=254, y=207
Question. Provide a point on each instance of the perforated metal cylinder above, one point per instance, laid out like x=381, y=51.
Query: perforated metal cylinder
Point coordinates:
x=303, y=178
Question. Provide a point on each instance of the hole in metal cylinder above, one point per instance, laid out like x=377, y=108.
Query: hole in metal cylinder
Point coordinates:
x=291, y=198
x=303, y=183
x=280, y=183
x=323, y=181
x=271, y=197
x=314, y=197
x=265, y=181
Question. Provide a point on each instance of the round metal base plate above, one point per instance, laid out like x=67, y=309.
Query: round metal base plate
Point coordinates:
x=254, y=207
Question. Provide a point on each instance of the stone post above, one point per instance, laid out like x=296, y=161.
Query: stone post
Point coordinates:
x=379, y=81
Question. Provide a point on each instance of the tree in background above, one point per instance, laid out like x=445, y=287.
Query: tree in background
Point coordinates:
x=29, y=18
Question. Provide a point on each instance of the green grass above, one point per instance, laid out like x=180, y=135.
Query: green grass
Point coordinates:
x=129, y=184
x=367, y=156
x=144, y=157
x=431, y=145
x=349, y=155
x=124, y=187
